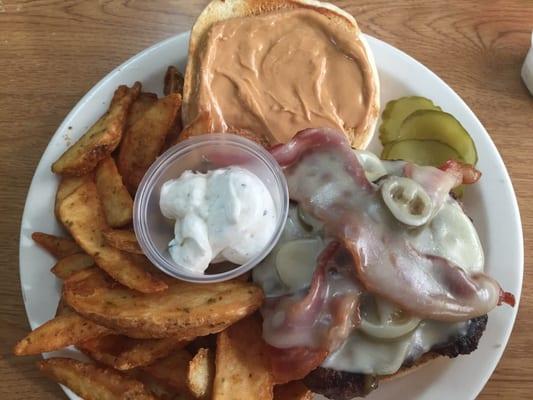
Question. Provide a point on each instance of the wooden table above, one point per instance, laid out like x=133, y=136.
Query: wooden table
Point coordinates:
x=53, y=52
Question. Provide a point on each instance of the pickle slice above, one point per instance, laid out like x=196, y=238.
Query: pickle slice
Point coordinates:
x=397, y=111
x=441, y=127
x=421, y=152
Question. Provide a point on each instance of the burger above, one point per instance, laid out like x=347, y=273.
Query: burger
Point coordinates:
x=379, y=270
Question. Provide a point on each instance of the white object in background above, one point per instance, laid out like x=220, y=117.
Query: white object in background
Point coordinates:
x=527, y=68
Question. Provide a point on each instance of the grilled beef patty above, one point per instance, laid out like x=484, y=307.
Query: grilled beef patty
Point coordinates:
x=340, y=385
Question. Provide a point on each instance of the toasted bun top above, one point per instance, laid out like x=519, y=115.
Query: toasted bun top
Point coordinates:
x=221, y=10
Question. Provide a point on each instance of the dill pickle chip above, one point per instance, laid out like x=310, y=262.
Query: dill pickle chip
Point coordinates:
x=441, y=127
x=397, y=111
x=422, y=152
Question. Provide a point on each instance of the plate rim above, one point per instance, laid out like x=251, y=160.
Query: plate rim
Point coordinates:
x=376, y=42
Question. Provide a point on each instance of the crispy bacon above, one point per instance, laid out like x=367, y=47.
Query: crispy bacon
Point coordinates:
x=506, y=298
x=465, y=173
x=326, y=179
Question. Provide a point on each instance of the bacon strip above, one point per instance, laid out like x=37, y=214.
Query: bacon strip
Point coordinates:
x=320, y=139
x=437, y=183
x=466, y=173
x=302, y=329
x=326, y=179
x=294, y=363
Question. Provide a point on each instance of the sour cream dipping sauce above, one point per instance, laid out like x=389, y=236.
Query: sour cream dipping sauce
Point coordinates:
x=226, y=214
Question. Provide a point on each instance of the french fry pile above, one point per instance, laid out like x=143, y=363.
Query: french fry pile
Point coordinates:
x=149, y=336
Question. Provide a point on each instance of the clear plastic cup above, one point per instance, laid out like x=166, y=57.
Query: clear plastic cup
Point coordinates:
x=203, y=153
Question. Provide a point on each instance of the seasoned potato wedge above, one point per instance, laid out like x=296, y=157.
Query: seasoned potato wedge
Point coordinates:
x=173, y=81
x=203, y=342
x=124, y=353
x=116, y=200
x=83, y=216
x=103, y=349
x=173, y=84
x=159, y=389
x=67, y=185
x=184, y=311
x=294, y=390
x=62, y=308
x=93, y=383
x=139, y=107
x=66, y=329
x=242, y=366
x=69, y=265
x=201, y=373
x=171, y=370
x=201, y=124
x=101, y=139
x=146, y=352
x=124, y=240
x=57, y=246
x=144, y=140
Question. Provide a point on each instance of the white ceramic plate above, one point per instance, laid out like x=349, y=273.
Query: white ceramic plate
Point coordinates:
x=491, y=203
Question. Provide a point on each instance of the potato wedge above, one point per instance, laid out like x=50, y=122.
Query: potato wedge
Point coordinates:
x=66, y=329
x=57, y=246
x=203, y=342
x=116, y=200
x=139, y=107
x=83, y=216
x=294, y=390
x=124, y=240
x=160, y=389
x=101, y=139
x=201, y=373
x=146, y=352
x=69, y=265
x=103, y=349
x=184, y=311
x=124, y=353
x=172, y=136
x=67, y=185
x=93, y=383
x=201, y=124
x=171, y=370
x=173, y=81
x=242, y=366
x=173, y=84
x=62, y=308
x=144, y=140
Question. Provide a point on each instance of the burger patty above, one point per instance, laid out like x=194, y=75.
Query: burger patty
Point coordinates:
x=340, y=385
x=464, y=344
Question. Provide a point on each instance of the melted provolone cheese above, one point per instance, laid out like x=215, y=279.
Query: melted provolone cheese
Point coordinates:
x=365, y=355
x=451, y=235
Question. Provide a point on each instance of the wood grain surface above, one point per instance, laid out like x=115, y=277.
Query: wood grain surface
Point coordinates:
x=53, y=52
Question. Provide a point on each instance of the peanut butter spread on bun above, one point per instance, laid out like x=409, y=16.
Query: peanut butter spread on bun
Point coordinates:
x=277, y=73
